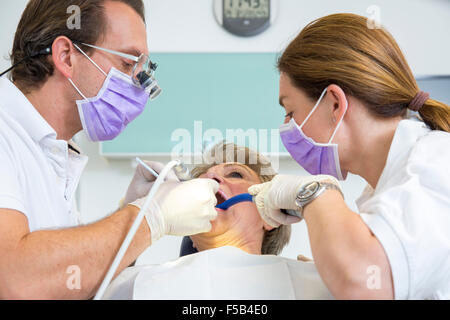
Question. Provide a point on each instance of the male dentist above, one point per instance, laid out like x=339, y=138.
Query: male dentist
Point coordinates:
x=96, y=77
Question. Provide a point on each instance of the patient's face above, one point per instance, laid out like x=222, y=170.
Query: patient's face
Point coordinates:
x=234, y=179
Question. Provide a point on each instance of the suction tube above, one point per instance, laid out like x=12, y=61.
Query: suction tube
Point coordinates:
x=133, y=229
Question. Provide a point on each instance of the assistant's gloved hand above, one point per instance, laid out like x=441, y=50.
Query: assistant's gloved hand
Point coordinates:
x=280, y=193
x=181, y=208
x=143, y=181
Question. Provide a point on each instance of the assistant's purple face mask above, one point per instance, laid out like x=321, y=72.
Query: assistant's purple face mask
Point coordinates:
x=118, y=102
x=316, y=158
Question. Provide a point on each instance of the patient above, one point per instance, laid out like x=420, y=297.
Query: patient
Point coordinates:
x=238, y=258
x=236, y=169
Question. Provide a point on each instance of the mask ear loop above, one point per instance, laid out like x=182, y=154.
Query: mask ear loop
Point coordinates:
x=78, y=90
x=340, y=121
x=314, y=108
x=104, y=73
x=70, y=80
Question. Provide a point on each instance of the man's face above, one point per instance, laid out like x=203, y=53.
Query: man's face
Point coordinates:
x=234, y=179
x=125, y=32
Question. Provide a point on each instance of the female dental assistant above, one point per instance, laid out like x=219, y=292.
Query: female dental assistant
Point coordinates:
x=352, y=105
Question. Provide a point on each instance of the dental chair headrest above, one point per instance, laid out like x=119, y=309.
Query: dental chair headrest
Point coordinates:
x=187, y=247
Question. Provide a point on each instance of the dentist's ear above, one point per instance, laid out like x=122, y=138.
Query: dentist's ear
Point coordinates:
x=62, y=55
x=340, y=102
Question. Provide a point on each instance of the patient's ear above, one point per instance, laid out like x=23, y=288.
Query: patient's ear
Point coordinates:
x=267, y=226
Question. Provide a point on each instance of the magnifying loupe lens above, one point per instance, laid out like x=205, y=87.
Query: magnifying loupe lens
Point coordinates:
x=146, y=80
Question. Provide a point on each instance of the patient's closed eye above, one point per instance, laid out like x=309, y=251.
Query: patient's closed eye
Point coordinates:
x=235, y=174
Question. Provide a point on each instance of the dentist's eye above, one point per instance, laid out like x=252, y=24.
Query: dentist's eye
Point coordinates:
x=289, y=115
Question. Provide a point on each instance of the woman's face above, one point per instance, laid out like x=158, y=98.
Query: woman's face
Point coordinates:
x=298, y=105
x=234, y=179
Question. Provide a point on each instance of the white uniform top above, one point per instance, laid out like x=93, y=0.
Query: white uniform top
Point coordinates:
x=409, y=211
x=225, y=273
x=38, y=173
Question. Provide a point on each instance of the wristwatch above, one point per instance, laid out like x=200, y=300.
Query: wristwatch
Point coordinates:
x=308, y=193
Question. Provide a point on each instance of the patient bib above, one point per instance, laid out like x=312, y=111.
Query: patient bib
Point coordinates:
x=223, y=273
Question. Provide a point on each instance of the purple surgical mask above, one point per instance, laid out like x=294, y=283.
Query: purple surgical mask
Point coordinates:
x=118, y=102
x=314, y=157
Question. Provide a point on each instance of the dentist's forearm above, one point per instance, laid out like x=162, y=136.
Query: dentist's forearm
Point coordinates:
x=39, y=266
x=343, y=248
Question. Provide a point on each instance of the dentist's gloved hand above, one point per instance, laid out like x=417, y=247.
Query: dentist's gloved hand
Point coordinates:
x=280, y=193
x=143, y=181
x=181, y=208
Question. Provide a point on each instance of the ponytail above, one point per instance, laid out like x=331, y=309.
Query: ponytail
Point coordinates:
x=436, y=115
x=366, y=63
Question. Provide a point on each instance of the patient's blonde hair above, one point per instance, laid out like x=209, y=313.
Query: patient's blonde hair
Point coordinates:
x=275, y=240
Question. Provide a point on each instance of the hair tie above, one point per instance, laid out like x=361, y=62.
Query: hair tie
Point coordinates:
x=418, y=101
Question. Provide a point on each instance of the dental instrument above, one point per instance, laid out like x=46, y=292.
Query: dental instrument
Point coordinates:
x=135, y=226
x=235, y=200
x=181, y=171
x=247, y=197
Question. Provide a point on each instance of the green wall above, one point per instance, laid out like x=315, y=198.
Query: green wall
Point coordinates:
x=218, y=90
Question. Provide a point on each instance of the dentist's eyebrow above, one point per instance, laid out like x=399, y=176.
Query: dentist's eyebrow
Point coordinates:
x=133, y=51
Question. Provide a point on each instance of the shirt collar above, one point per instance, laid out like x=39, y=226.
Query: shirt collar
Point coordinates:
x=405, y=137
x=17, y=106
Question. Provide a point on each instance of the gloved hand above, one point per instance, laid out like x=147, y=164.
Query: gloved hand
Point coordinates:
x=143, y=181
x=280, y=193
x=181, y=208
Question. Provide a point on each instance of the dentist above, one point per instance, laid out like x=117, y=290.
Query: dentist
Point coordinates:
x=95, y=78
x=352, y=105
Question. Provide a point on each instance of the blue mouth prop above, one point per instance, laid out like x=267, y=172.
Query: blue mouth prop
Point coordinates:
x=235, y=200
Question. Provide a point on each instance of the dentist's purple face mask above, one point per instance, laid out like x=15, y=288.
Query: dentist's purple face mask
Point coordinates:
x=316, y=158
x=118, y=102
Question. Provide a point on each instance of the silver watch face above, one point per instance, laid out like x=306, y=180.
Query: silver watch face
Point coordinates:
x=308, y=191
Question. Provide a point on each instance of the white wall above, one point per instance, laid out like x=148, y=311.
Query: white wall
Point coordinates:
x=420, y=26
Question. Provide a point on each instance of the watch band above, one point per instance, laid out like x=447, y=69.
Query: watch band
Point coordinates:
x=332, y=186
x=322, y=187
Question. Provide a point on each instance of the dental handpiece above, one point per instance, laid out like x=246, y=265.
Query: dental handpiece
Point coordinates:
x=181, y=171
x=247, y=197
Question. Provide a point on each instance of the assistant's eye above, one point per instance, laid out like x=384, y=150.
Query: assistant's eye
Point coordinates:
x=235, y=174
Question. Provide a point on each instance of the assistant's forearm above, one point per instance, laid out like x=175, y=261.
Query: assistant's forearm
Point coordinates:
x=45, y=264
x=342, y=245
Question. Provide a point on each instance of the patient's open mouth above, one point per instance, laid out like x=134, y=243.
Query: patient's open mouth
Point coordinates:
x=221, y=197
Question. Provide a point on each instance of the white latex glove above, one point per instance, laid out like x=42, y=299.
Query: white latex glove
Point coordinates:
x=280, y=193
x=143, y=181
x=181, y=208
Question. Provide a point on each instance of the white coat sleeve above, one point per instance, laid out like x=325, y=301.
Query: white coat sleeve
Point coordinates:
x=11, y=194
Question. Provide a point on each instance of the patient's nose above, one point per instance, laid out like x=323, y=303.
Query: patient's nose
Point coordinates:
x=214, y=176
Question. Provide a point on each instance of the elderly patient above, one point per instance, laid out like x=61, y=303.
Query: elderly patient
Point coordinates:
x=241, y=225
x=237, y=258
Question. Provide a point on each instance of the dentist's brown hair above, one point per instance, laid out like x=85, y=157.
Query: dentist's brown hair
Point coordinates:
x=42, y=22
x=366, y=63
